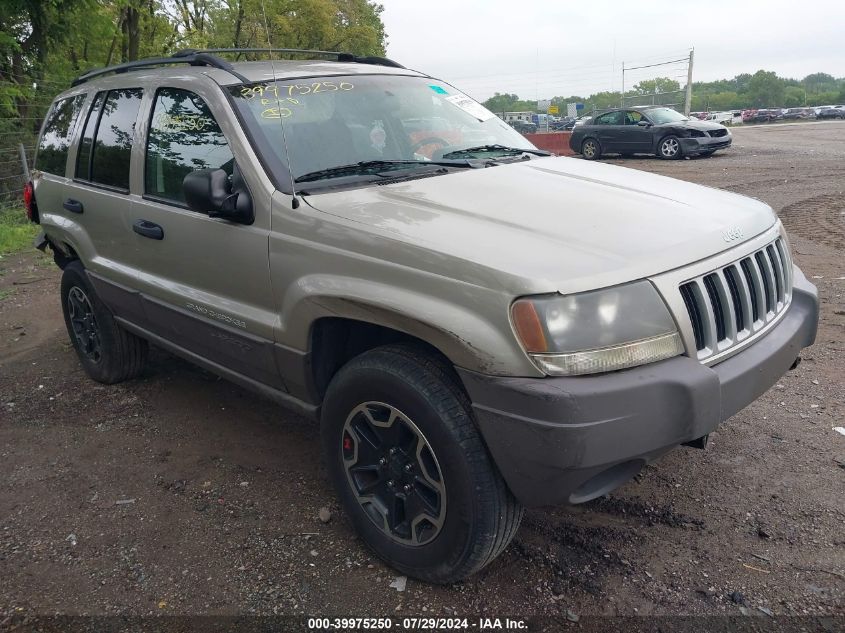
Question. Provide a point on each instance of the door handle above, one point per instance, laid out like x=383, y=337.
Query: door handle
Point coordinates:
x=148, y=229
x=74, y=206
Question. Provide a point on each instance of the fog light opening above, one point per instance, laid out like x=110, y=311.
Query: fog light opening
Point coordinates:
x=606, y=481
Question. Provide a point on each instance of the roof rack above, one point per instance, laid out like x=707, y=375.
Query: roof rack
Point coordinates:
x=207, y=57
x=194, y=58
x=339, y=56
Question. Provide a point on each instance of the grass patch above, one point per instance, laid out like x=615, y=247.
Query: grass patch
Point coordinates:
x=16, y=231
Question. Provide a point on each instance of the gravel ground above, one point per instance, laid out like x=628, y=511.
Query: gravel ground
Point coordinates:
x=180, y=493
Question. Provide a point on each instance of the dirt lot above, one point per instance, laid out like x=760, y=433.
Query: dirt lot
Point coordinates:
x=180, y=493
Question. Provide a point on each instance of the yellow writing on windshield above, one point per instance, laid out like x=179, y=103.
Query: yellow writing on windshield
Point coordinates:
x=264, y=91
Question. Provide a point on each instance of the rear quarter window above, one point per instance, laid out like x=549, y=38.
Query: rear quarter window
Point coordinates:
x=54, y=145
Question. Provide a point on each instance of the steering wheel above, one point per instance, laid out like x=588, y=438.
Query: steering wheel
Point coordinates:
x=430, y=140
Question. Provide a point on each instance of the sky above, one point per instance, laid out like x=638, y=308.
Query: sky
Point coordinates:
x=540, y=48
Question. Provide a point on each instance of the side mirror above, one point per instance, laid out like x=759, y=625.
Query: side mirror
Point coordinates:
x=643, y=123
x=211, y=191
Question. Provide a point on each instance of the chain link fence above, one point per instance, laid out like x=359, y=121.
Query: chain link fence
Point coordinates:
x=13, y=176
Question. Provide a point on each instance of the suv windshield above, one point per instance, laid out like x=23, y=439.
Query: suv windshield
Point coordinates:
x=664, y=115
x=341, y=121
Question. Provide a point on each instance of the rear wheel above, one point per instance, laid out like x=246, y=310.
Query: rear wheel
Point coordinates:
x=410, y=468
x=591, y=149
x=669, y=148
x=108, y=353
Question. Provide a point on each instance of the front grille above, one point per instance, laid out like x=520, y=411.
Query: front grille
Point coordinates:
x=739, y=301
x=718, y=133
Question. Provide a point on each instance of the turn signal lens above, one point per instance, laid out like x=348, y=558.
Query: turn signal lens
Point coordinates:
x=528, y=328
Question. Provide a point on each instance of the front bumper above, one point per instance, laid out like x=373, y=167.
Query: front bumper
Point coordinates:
x=695, y=146
x=568, y=440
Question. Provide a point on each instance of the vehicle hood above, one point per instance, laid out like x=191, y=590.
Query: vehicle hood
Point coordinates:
x=694, y=124
x=550, y=224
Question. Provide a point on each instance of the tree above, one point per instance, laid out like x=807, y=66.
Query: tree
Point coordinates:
x=353, y=26
x=509, y=103
x=794, y=96
x=819, y=82
x=766, y=89
x=658, y=85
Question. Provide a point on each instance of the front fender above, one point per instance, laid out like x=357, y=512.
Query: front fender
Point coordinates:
x=469, y=340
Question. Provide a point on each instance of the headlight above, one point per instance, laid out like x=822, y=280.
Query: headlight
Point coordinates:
x=598, y=331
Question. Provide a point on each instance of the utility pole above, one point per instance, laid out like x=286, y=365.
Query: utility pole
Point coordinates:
x=688, y=99
x=623, y=86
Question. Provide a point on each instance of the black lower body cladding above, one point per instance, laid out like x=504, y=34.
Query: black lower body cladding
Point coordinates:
x=568, y=440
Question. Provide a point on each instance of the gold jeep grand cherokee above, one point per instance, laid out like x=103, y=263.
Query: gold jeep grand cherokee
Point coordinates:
x=477, y=326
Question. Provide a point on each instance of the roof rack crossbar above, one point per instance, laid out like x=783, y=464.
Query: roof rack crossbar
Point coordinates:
x=193, y=58
x=338, y=55
x=206, y=57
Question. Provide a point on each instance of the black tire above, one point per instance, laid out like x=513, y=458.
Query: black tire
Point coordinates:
x=591, y=149
x=108, y=353
x=476, y=512
x=669, y=148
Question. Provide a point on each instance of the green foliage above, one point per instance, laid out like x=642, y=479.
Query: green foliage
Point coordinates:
x=16, y=231
x=509, y=103
x=655, y=86
x=793, y=97
x=766, y=89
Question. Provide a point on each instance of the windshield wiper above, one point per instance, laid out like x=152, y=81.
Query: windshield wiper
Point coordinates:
x=502, y=149
x=374, y=166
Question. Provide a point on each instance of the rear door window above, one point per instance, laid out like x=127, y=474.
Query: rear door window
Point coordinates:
x=104, y=154
x=183, y=137
x=610, y=118
x=55, y=141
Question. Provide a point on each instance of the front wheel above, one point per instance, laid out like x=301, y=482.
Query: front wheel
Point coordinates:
x=669, y=148
x=410, y=468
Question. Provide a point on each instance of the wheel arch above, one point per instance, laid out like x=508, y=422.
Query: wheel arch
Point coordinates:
x=334, y=341
x=337, y=323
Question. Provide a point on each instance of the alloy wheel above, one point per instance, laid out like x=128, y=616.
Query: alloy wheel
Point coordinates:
x=669, y=147
x=84, y=324
x=589, y=149
x=393, y=473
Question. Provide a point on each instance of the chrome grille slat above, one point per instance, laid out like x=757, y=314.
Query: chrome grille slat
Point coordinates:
x=780, y=277
x=703, y=299
x=737, y=302
x=762, y=259
x=787, y=266
x=759, y=292
x=744, y=300
x=727, y=305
